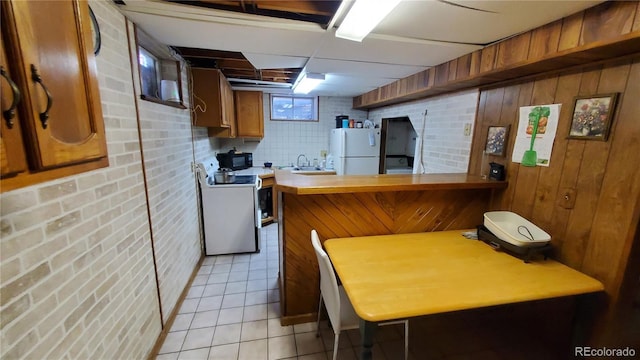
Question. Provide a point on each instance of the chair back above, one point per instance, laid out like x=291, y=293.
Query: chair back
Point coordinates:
x=328, y=282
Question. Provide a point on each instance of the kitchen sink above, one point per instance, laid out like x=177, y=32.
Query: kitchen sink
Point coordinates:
x=309, y=170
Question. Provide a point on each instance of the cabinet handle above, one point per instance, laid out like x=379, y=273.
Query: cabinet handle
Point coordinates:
x=44, y=116
x=10, y=113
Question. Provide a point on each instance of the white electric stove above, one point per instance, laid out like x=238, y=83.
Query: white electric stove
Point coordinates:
x=231, y=214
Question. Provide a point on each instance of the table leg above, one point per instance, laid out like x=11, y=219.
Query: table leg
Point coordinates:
x=586, y=308
x=367, y=331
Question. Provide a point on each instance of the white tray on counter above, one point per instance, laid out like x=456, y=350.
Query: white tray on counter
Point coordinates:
x=514, y=229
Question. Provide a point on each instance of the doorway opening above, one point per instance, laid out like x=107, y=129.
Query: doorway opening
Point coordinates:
x=397, y=146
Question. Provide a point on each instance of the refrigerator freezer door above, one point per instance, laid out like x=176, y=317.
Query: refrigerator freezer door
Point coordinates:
x=357, y=165
x=355, y=142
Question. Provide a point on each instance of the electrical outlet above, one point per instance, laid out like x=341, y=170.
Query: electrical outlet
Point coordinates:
x=323, y=153
x=467, y=129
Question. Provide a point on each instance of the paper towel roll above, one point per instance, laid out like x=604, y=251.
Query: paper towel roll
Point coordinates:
x=169, y=90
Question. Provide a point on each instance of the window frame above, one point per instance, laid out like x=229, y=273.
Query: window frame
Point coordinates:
x=142, y=51
x=163, y=64
x=316, y=107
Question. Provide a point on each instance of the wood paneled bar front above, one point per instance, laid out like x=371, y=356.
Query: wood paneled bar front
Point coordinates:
x=361, y=205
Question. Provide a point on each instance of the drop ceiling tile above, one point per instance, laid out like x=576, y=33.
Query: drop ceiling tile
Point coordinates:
x=361, y=68
x=444, y=21
x=377, y=49
x=266, y=61
x=228, y=37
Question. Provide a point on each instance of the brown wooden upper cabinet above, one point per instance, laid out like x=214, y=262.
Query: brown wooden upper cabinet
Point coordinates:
x=52, y=123
x=249, y=114
x=13, y=158
x=213, y=99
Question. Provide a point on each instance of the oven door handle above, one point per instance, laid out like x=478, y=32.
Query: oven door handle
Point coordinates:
x=256, y=205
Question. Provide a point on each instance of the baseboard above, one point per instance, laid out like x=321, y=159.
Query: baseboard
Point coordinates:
x=298, y=319
x=174, y=313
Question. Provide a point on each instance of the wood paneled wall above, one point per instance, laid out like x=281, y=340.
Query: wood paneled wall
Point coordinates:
x=602, y=178
x=361, y=214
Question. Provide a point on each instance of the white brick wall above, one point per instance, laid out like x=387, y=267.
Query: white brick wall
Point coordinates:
x=168, y=154
x=204, y=146
x=285, y=140
x=78, y=277
x=445, y=148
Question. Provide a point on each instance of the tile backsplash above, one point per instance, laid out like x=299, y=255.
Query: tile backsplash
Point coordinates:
x=284, y=140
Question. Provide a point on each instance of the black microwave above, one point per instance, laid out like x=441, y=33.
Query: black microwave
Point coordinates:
x=235, y=160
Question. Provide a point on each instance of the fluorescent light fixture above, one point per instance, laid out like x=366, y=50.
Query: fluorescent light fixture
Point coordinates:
x=307, y=82
x=363, y=17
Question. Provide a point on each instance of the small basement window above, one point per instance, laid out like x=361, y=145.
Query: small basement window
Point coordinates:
x=294, y=108
x=160, y=75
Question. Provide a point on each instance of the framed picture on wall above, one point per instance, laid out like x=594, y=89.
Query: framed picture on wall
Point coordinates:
x=592, y=117
x=496, y=140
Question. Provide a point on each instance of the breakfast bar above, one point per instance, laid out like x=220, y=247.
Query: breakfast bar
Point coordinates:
x=363, y=205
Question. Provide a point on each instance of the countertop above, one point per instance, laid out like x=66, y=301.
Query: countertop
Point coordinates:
x=262, y=172
x=336, y=184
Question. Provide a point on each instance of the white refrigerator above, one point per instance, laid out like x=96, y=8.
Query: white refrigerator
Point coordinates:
x=355, y=151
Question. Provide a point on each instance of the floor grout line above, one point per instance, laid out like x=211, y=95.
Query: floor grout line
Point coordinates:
x=268, y=255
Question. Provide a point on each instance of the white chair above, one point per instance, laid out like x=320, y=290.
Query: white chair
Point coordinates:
x=341, y=312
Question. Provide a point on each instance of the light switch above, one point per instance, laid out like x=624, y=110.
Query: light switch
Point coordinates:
x=467, y=129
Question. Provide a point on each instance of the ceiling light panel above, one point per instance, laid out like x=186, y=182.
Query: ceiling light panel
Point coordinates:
x=363, y=17
x=307, y=82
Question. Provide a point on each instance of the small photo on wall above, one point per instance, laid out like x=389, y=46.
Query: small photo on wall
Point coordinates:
x=496, y=140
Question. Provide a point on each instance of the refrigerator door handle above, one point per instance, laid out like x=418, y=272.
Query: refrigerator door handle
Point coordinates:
x=343, y=152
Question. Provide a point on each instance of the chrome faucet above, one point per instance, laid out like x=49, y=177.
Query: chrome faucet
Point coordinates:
x=298, y=160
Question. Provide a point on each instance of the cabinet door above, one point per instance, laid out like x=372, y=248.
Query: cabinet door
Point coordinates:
x=249, y=114
x=209, y=98
x=12, y=158
x=228, y=115
x=227, y=127
x=59, y=80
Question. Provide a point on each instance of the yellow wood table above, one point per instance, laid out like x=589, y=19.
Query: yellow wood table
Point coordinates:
x=405, y=275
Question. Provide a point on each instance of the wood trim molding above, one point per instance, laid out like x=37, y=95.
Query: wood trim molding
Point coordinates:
x=174, y=104
x=579, y=39
x=172, y=317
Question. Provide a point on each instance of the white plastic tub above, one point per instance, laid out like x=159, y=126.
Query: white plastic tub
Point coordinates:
x=505, y=225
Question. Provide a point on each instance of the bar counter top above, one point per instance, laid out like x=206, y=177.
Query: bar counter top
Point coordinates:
x=341, y=184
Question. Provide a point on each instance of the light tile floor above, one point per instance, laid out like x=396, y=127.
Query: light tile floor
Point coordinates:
x=232, y=311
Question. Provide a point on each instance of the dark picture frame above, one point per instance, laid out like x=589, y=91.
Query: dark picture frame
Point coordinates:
x=592, y=116
x=497, y=137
